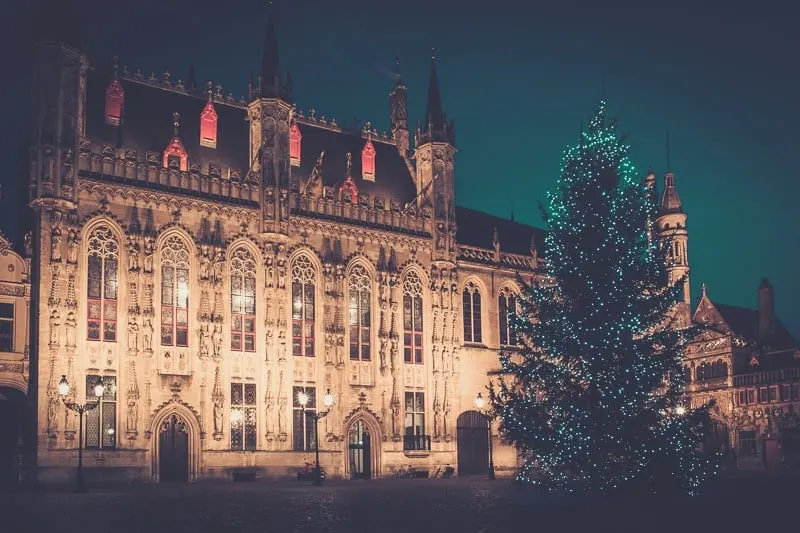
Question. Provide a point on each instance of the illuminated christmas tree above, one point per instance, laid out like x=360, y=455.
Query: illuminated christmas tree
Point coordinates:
x=594, y=399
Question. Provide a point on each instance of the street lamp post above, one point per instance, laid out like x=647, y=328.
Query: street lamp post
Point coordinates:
x=327, y=400
x=480, y=403
x=63, y=391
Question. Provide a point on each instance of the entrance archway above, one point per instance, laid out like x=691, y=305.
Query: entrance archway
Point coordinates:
x=359, y=451
x=173, y=446
x=12, y=410
x=473, y=443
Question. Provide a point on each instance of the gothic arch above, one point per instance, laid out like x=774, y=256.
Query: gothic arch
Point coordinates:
x=14, y=380
x=373, y=423
x=359, y=258
x=304, y=249
x=510, y=286
x=475, y=280
x=176, y=228
x=243, y=240
x=413, y=266
x=117, y=228
x=183, y=410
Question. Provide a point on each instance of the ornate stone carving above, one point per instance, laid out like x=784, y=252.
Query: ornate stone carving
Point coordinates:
x=133, y=402
x=55, y=328
x=218, y=402
x=133, y=335
x=147, y=335
x=132, y=246
x=72, y=246
x=70, y=325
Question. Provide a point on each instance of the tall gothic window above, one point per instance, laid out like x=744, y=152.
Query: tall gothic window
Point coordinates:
x=243, y=301
x=103, y=281
x=243, y=416
x=174, y=292
x=359, y=293
x=507, y=305
x=303, y=307
x=303, y=420
x=101, y=422
x=472, y=313
x=412, y=319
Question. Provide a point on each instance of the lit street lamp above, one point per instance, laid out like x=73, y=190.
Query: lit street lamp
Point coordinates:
x=63, y=391
x=480, y=403
x=680, y=410
x=327, y=400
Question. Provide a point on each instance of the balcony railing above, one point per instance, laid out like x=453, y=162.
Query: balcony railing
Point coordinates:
x=417, y=443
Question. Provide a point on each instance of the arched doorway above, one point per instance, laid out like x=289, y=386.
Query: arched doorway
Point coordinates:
x=12, y=409
x=473, y=443
x=359, y=451
x=173, y=450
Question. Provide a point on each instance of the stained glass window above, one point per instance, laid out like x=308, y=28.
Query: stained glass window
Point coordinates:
x=303, y=307
x=507, y=306
x=101, y=422
x=412, y=319
x=102, y=282
x=472, y=313
x=359, y=295
x=243, y=416
x=174, y=292
x=243, y=301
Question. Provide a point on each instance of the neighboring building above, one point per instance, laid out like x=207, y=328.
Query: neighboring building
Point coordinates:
x=749, y=363
x=15, y=298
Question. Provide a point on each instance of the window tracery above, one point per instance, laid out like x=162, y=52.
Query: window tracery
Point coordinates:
x=243, y=301
x=507, y=306
x=412, y=318
x=472, y=313
x=303, y=277
x=359, y=289
x=174, y=292
x=102, y=286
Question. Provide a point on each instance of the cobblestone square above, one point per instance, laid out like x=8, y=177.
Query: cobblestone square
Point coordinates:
x=457, y=505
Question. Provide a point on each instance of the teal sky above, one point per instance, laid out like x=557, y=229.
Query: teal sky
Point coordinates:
x=519, y=80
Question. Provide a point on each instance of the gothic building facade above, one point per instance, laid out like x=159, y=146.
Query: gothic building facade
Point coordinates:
x=212, y=261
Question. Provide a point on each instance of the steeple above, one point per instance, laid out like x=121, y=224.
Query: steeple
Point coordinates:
x=436, y=128
x=269, y=79
x=670, y=201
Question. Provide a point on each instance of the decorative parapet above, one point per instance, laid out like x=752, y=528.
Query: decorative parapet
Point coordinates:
x=485, y=256
x=377, y=212
x=767, y=377
x=112, y=164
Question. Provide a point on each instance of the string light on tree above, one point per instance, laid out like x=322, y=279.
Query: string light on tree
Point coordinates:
x=594, y=391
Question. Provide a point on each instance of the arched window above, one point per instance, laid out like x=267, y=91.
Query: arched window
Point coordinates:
x=359, y=297
x=243, y=301
x=717, y=369
x=472, y=313
x=303, y=307
x=295, y=139
x=412, y=319
x=103, y=280
x=174, y=292
x=507, y=305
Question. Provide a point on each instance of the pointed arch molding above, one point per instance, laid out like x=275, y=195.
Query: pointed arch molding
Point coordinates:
x=413, y=264
x=303, y=248
x=103, y=217
x=360, y=258
x=187, y=413
x=180, y=228
x=375, y=427
x=237, y=241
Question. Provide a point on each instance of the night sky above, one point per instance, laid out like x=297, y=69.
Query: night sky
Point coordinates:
x=518, y=81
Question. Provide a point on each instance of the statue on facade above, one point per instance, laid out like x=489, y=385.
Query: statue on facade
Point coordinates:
x=133, y=414
x=72, y=247
x=70, y=325
x=28, y=245
x=218, y=426
x=147, y=335
x=217, y=340
x=133, y=334
x=55, y=327
x=55, y=244
x=282, y=416
x=205, y=262
x=149, y=249
x=132, y=246
x=219, y=264
x=204, y=341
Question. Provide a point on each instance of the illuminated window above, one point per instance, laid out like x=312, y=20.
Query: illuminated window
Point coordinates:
x=243, y=301
x=115, y=99
x=243, y=416
x=415, y=438
x=359, y=293
x=412, y=319
x=472, y=313
x=103, y=280
x=303, y=307
x=101, y=422
x=368, y=161
x=6, y=327
x=507, y=307
x=174, y=292
x=295, y=139
x=303, y=422
x=208, y=126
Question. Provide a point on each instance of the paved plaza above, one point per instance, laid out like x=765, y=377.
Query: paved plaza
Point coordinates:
x=392, y=505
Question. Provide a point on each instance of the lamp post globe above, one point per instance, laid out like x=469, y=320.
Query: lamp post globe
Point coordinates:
x=99, y=388
x=63, y=387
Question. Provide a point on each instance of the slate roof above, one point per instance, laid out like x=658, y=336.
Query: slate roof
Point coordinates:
x=744, y=322
x=147, y=123
x=392, y=178
x=476, y=228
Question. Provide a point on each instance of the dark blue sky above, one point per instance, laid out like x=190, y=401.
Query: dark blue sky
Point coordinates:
x=519, y=79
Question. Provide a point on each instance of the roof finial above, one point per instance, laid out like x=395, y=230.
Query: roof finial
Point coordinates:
x=703, y=289
x=397, y=67
x=176, y=124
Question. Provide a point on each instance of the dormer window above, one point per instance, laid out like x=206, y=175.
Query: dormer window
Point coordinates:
x=295, y=137
x=175, y=156
x=368, y=161
x=208, y=126
x=115, y=98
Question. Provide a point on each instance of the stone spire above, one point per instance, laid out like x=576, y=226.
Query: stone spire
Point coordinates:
x=435, y=129
x=269, y=80
x=670, y=201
